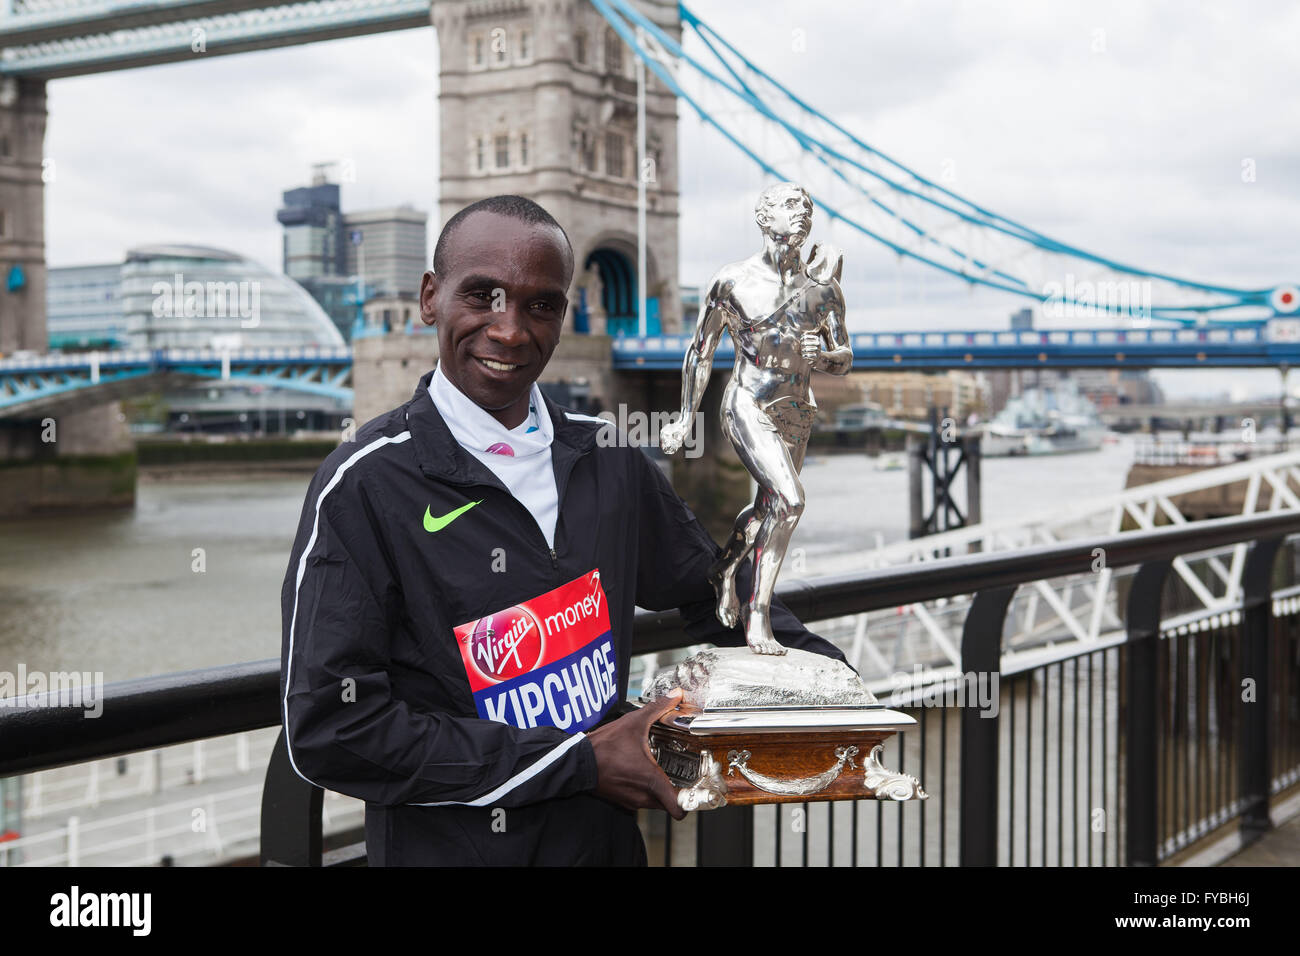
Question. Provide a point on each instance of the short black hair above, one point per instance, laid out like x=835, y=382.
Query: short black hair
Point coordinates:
x=516, y=207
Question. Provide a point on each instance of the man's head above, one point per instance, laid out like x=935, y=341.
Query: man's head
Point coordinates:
x=784, y=212
x=498, y=296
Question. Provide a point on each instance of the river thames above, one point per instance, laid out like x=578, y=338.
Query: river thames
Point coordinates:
x=191, y=577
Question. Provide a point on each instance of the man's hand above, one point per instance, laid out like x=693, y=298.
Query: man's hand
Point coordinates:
x=626, y=773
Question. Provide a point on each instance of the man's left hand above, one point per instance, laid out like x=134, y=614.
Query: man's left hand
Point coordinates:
x=627, y=775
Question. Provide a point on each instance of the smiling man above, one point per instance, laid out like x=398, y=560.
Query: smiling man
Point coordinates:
x=459, y=601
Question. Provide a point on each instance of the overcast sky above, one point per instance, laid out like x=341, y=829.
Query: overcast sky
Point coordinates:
x=1120, y=127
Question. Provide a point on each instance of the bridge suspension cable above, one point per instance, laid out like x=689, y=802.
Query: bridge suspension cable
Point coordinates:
x=919, y=219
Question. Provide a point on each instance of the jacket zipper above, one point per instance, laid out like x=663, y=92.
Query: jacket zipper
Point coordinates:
x=561, y=485
x=528, y=515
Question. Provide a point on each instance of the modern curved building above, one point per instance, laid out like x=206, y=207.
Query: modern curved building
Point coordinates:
x=187, y=296
x=182, y=296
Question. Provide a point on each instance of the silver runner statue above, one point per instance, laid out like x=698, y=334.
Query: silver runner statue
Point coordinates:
x=786, y=317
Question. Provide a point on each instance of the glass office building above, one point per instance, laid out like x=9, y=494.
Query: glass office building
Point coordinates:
x=83, y=307
x=183, y=296
x=392, y=250
x=180, y=296
x=313, y=231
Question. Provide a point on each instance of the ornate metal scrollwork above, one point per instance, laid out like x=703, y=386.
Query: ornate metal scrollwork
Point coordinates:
x=799, y=786
x=888, y=784
x=709, y=792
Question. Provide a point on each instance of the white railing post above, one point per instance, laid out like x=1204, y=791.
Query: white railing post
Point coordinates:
x=92, y=788
x=74, y=842
x=214, y=838
x=198, y=761
x=34, y=808
x=241, y=753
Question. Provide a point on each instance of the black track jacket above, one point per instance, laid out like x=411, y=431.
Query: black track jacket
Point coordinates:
x=440, y=662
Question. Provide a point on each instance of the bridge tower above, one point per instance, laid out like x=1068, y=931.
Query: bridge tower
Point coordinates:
x=22, y=215
x=538, y=98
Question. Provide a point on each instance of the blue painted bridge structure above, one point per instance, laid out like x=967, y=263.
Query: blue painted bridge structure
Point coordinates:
x=32, y=385
x=1265, y=345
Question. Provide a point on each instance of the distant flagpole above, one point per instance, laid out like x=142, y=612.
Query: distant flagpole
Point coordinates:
x=640, y=187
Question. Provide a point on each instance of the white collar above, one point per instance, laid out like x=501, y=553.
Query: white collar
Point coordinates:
x=475, y=429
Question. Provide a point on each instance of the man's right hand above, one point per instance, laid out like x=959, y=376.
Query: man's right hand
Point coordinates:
x=626, y=773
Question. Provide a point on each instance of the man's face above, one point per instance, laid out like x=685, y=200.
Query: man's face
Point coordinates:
x=789, y=217
x=498, y=309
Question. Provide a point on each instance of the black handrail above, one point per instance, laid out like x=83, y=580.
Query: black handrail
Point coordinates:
x=140, y=714
x=167, y=709
x=176, y=708
x=840, y=595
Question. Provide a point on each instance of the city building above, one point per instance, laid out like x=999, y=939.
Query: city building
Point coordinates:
x=690, y=298
x=83, y=307
x=180, y=296
x=313, y=230
x=392, y=313
x=183, y=296
x=388, y=247
x=1105, y=388
x=910, y=395
x=314, y=252
x=331, y=253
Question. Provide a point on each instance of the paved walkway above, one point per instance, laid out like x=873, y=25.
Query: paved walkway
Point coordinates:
x=1278, y=847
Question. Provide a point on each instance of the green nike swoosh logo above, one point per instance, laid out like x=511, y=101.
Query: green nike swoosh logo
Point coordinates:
x=432, y=524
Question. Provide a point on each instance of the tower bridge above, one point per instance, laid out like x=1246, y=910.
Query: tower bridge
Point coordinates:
x=547, y=98
x=540, y=97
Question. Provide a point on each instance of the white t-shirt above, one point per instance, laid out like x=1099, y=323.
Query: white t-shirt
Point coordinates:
x=520, y=456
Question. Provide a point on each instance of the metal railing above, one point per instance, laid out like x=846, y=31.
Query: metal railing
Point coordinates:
x=1209, y=452
x=1122, y=751
x=1117, y=751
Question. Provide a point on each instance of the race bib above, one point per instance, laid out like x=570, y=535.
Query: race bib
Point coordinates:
x=548, y=662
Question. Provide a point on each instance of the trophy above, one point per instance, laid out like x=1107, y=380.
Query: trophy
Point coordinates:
x=790, y=725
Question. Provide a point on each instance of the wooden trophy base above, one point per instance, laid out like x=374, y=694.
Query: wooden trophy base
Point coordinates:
x=739, y=758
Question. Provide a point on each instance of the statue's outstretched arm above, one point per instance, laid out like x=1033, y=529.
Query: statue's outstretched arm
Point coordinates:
x=698, y=364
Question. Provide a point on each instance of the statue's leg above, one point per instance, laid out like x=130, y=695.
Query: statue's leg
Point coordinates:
x=722, y=574
x=779, y=507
